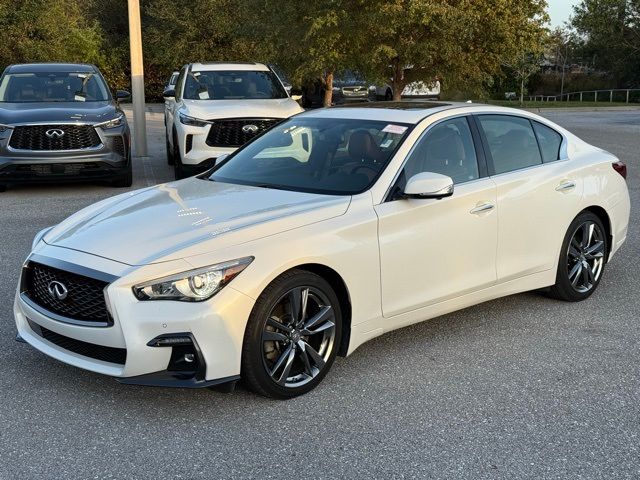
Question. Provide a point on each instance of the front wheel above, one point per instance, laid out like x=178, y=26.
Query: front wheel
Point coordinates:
x=292, y=336
x=582, y=259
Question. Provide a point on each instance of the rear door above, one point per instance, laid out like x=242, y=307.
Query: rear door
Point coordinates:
x=537, y=192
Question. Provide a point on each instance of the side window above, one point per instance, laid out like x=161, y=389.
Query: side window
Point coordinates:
x=180, y=83
x=447, y=149
x=550, y=142
x=512, y=143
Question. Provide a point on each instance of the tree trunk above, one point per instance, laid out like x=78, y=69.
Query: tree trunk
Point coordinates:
x=522, y=91
x=397, y=82
x=328, y=89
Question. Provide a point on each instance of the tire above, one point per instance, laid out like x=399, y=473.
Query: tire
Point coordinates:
x=582, y=259
x=169, y=150
x=178, y=169
x=3, y=187
x=282, y=358
x=125, y=180
x=388, y=95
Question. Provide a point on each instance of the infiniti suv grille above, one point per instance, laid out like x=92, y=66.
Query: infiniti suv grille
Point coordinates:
x=232, y=132
x=84, y=299
x=59, y=137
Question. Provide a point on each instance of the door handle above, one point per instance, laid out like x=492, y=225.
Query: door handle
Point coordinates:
x=482, y=208
x=566, y=186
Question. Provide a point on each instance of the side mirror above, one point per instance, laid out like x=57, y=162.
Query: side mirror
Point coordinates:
x=221, y=159
x=122, y=95
x=169, y=93
x=429, y=185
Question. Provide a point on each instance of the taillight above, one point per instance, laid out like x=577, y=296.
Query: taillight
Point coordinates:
x=621, y=168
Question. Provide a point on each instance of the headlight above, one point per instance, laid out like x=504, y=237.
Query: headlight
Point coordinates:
x=116, y=122
x=336, y=89
x=194, y=285
x=39, y=236
x=194, y=122
x=4, y=128
x=372, y=88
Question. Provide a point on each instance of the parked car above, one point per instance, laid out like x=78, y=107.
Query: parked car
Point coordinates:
x=59, y=122
x=283, y=257
x=217, y=107
x=170, y=85
x=348, y=87
x=422, y=90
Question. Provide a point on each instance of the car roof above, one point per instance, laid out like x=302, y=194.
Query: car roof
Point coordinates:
x=410, y=111
x=403, y=112
x=213, y=66
x=51, y=68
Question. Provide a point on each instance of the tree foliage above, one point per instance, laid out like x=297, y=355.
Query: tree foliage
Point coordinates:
x=611, y=37
x=464, y=42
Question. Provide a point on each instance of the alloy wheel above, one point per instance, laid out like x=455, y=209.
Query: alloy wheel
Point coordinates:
x=585, y=257
x=298, y=337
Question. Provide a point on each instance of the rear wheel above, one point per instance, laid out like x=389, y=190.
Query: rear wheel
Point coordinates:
x=292, y=336
x=582, y=259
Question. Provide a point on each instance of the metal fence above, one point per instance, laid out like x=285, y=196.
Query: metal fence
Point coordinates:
x=621, y=95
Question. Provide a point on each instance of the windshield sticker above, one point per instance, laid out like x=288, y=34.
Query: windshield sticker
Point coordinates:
x=387, y=143
x=203, y=95
x=79, y=98
x=399, y=129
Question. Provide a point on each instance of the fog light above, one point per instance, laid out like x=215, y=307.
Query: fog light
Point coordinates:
x=189, y=357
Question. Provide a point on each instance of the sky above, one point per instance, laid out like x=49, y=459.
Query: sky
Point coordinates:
x=559, y=11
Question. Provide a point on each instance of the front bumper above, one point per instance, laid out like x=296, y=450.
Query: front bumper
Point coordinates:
x=194, y=151
x=111, y=159
x=216, y=328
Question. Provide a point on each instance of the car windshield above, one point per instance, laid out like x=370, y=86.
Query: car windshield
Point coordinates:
x=233, y=85
x=53, y=87
x=318, y=155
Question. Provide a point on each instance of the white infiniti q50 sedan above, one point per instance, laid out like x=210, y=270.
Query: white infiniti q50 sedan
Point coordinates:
x=333, y=227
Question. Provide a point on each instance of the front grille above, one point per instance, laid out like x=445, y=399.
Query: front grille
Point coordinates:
x=230, y=133
x=85, y=298
x=34, y=137
x=98, y=352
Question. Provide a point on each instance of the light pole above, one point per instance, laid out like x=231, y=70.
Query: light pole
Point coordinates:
x=137, y=79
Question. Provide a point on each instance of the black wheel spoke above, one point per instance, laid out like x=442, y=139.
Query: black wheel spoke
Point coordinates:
x=278, y=325
x=573, y=252
x=315, y=356
x=574, y=274
x=325, y=314
x=268, y=335
x=595, y=251
x=283, y=358
x=302, y=353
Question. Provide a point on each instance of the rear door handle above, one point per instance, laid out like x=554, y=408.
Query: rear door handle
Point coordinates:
x=482, y=208
x=566, y=186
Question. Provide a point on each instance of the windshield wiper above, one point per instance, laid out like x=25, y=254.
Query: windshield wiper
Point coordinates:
x=273, y=186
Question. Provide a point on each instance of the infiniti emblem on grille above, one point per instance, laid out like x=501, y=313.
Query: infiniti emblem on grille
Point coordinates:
x=54, y=133
x=250, y=129
x=57, y=290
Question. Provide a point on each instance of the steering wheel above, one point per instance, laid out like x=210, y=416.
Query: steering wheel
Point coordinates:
x=358, y=167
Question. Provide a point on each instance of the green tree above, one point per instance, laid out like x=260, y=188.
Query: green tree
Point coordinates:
x=611, y=33
x=464, y=42
x=48, y=30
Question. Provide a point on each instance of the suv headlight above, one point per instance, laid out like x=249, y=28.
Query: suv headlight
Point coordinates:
x=39, y=236
x=4, y=128
x=194, y=285
x=113, y=123
x=192, y=121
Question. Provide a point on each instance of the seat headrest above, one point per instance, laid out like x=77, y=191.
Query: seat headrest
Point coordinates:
x=362, y=146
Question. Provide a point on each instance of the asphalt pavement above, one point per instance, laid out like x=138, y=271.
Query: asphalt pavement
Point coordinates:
x=520, y=387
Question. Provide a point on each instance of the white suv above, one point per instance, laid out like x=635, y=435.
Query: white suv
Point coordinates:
x=217, y=108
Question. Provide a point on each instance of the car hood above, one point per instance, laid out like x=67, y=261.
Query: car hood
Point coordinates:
x=56, y=112
x=212, y=109
x=186, y=218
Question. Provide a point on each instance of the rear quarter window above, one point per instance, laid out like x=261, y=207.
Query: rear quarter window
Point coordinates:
x=550, y=142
